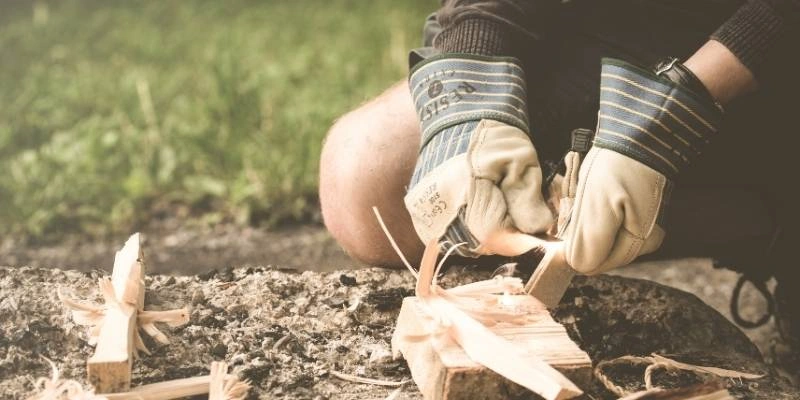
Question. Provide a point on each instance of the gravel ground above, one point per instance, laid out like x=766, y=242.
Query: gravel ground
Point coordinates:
x=286, y=331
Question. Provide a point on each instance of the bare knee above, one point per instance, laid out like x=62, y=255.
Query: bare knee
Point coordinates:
x=367, y=161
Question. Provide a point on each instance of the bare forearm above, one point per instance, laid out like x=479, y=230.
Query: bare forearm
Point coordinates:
x=725, y=77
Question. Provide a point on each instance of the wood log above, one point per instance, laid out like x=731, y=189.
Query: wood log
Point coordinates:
x=109, y=369
x=443, y=370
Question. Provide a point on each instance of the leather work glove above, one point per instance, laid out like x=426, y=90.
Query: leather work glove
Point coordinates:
x=477, y=172
x=651, y=126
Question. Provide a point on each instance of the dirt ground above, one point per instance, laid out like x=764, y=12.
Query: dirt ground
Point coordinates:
x=288, y=348
x=178, y=248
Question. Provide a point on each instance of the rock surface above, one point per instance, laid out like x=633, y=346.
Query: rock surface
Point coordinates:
x=285, y=331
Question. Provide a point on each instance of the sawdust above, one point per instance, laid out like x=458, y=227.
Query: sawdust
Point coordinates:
x=286, y=331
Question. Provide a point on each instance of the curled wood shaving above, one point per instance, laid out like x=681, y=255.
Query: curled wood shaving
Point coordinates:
x=219, y=384
x=394, y=244
x=721, y=372
x=92, y=316
x=173, y=318
x=655, y=362
x=107, y=290
x=370, y=381
x=702, y=391
x=224, y=386
x=498, y=284
x=55, y=388
x=85, y=314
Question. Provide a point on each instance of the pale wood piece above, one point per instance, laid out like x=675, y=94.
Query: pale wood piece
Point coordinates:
x=219, y=385
x=128, y=273
x=552, y=277
x=167, y=390
x=216, y=387
x=443, y=370
x=109, y=369
x=223, y=386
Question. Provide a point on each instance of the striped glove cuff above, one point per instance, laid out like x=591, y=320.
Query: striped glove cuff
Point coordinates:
x=651, y=119
x=451, y=89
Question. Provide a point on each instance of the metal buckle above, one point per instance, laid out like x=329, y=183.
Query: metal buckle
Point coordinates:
x=666, y=67
x=581, y=140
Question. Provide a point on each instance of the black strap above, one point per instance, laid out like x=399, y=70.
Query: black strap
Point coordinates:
x=759, y=281
x=675, y=71
x=761, y=286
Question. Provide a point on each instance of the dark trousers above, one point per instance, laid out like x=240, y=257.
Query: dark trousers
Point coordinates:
x=730, y=203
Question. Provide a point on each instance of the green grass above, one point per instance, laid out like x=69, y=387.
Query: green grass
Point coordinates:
x=111, y=109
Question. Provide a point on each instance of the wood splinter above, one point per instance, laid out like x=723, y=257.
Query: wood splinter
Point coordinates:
x=113, y=327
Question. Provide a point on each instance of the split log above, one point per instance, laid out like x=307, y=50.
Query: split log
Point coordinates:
x=109, y=369
x=443, y=370
x=455, y=322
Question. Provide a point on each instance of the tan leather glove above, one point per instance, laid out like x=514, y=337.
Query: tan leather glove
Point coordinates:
x=478, y=172
x=650, y=128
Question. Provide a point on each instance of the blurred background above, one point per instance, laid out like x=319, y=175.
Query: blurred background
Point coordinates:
x=188, y=121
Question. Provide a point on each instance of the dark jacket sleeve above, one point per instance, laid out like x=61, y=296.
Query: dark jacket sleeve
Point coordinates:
x=493, y=27
x=765, y=36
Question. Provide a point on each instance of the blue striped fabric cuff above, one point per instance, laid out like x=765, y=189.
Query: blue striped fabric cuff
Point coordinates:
x=447, y=144
x=652, y=119
x=451, y=89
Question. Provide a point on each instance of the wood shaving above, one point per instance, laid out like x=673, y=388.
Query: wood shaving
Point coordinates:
x=92, y=315
x=55, y=388
x=656, y=361
x=370, y=381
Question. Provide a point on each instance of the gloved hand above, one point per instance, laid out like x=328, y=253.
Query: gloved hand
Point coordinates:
x=477, y=172
x=649, y=129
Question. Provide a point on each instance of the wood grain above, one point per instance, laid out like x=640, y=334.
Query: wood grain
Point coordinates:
x=443, y=370
x=109, y=369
